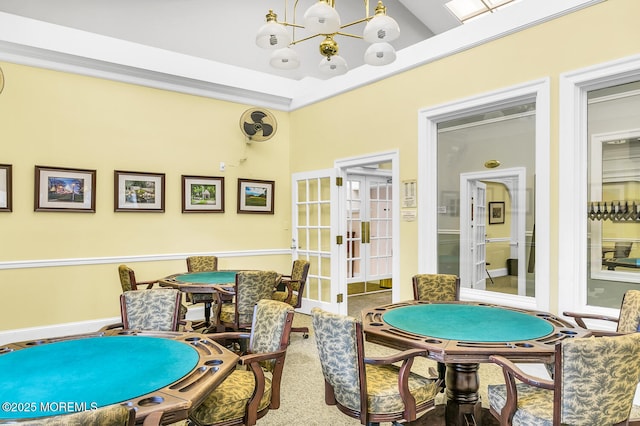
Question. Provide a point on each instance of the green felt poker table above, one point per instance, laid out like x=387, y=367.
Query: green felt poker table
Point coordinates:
x=464, y=334
x=200, y=282
x=203, y=282
x=170, y=372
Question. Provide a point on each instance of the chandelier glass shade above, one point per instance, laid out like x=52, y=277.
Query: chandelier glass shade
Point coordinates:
x=322, y=19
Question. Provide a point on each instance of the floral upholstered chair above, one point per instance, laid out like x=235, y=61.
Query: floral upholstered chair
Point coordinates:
x=291, y=288
x=128, y=282
x=391, y=393
x=436, y=287
x=156, y=310
x=202, y=264
x=627, y=322
x=248, y=394
x=128, y=279
x=595, y=385
x=250, y=287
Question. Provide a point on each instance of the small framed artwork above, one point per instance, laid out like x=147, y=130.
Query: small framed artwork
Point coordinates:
x=65, y=189
x=202, y=194
x=5, y=187
x=496, y=212
x=255, y=196
x=139, y=192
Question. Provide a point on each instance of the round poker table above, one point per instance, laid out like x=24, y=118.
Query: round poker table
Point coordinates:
x=200, y=282
x=464, y=334
x=154, y=371
x=203, y=282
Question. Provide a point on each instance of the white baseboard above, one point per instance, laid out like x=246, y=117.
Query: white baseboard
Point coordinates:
x=195, y=312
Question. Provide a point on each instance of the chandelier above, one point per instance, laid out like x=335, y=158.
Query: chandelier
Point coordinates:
x=322, y=20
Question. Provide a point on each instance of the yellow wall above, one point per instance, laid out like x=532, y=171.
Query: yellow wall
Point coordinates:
x=59, y=119
x=65, y=120
x=382, y=116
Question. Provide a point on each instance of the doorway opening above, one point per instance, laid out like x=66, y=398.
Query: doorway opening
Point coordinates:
x=492, y=231
x=370, y=226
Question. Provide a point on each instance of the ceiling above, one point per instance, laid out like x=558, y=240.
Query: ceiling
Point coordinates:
x=207, y=47
x=225, y=31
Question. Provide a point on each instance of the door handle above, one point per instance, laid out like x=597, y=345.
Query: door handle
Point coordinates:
x=365, y=232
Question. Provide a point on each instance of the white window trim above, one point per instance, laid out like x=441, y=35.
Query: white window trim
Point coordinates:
x=537, y=91
x=572, y=232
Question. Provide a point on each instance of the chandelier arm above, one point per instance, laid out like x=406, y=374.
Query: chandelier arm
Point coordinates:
x=359, y=21
x=293, y=42
x=350, y=35
x=287, y=24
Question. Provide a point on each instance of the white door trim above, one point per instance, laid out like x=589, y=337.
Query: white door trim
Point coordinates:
x=572, y=229
x=343, y=165
x=428, y=119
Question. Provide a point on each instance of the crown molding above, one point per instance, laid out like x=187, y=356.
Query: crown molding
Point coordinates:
x=36, y=43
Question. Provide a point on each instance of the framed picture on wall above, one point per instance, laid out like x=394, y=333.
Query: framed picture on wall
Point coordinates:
x=65, y=189
x=496, y=212
x=202, y=194
x=255, y=196
x=5, y=187
x=139, y=192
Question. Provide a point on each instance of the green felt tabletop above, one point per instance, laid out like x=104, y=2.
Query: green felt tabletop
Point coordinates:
x=209, y=277
x=467, y=322
x=88, y=373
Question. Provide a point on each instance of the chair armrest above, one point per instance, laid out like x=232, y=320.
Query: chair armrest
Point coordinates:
x=220, y=289
x=149, y=284
x=407, y=358
x=228, y=335
x=250, y=359
x=112, y=326
x=580, y=317
x=400, y=356
x=511, y=370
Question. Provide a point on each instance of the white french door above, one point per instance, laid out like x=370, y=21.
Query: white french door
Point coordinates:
x=315, y=218
x=473, y=219
x=369, y=235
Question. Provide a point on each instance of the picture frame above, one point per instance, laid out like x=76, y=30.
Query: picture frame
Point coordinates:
x=496, y=212
x=6, y=196
x=63, y=189
x=255, y=196
x=202, y=194
x=139, y=191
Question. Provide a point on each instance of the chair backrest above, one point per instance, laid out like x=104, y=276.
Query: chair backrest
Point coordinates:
x=339, y=342
x=127, y=278
x=156, y=310
x=299, y=272
x=202, y=263
x=252, y=286
x=598, y=381
x=271, y=327
x=629, y=319
x=436, y=287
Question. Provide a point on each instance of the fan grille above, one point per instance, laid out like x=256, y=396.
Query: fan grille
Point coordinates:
x=258, y=124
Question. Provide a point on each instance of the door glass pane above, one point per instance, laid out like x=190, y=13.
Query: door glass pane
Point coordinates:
x=613, y=193
x=477, y=145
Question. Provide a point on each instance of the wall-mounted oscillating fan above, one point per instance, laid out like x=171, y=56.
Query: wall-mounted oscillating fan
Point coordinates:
x=258, y=124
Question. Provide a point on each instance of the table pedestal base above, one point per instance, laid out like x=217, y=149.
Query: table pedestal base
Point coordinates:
x=463, y=402
x=436, y=417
